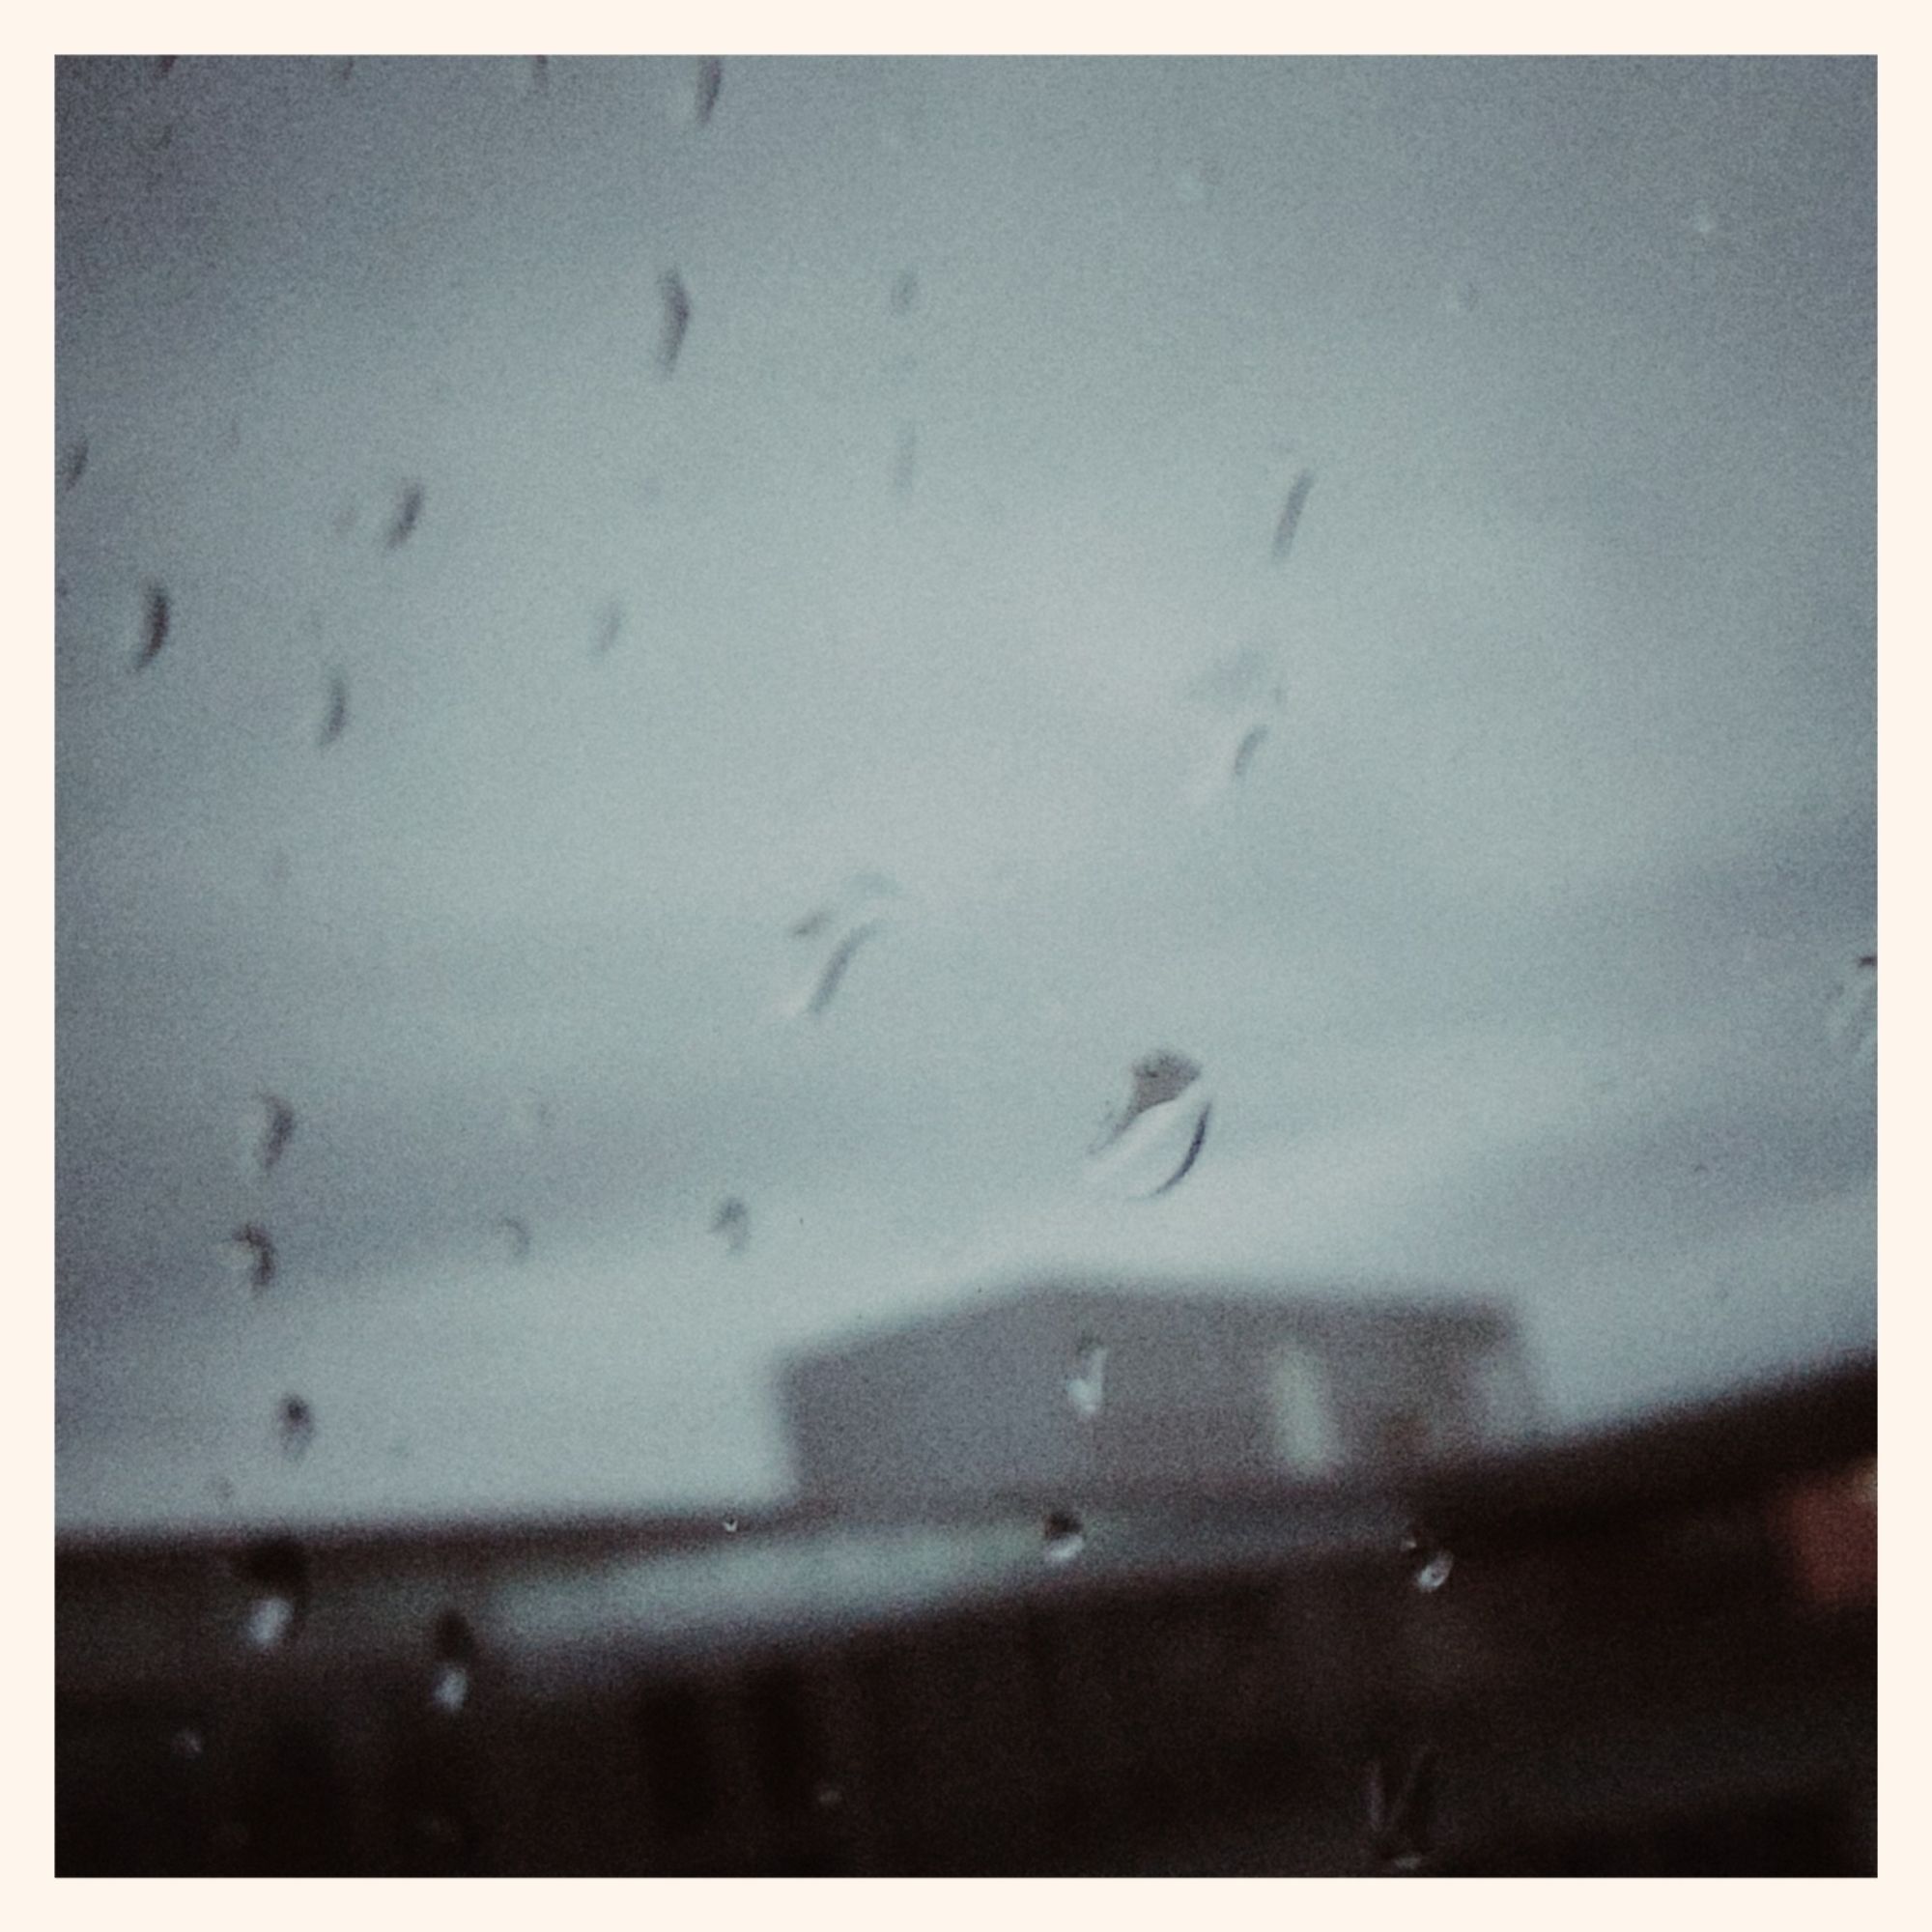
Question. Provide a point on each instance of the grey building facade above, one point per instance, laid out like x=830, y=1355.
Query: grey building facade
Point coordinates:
x=1099, y=1386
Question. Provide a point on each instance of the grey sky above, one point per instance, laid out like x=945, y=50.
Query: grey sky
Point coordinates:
x=1508, y=956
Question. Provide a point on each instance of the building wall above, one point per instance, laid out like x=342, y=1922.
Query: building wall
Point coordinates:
x=1188, y=1391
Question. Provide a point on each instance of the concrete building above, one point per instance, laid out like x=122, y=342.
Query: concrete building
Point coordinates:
x=1101, y=1387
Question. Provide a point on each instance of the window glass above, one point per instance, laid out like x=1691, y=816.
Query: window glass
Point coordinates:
x=704, y=703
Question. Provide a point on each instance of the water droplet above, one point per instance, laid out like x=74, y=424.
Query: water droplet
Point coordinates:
x=710, y=79
x=1240, y=695
x=733, y=1221
x=539, y=73
x=455, y=1663
x=1252, y=740
x=188, y=1745
x=730, y=1525
x=252, y=1253
x=408, y=513
x=335, y=717
x=905, y=292
x=297, y=1428
x=1702, y=221
x=275, y=1124
x=1152, y=1143
x=1085, y=1385
x=1433, y=1573
x=675, y=322
x=827, y=1797
x=271, y=1620
x=514, y=1233
x=73, y=467
x=1400, y=1807
x=1064, y=1538
x=610, y=625
x=1851, y=1020
x=836, y=967
x=155, y=615
x=1291, y=515
x=836, y=932
x=277, y=1575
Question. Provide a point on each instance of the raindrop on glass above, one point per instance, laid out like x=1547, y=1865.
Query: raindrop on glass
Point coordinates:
x=539, y=73
x=1239, y=695
x=73, y=467
x=274, y=1128
x=729, y=1526
x=295, y=1426
x=188, y=1745
x=1289, y=520
x=515, y=1235
x=407, y=513
x=251, y=1254
x=1153, y=1142
x=1063, y=1538
x=1252, y=740
x=277, y=1575
x=1433, y=1572
x=827, y=1797
x=1851, y=1020
x=272, y=1620
x=1086, y=1385
x=710, y=79
x=455, y=1663
x=833, y=934
x=675, y=322
x=1702, y=221
x=608, y=626
x=905, y=292
x=336, y=712
x=733, y=1221
x=155, y=615
x=1400, y=1807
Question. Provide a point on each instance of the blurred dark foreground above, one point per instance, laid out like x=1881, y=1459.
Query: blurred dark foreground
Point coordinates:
x=1650, y=1652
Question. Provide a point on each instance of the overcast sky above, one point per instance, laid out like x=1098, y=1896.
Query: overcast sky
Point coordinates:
x=532, y=535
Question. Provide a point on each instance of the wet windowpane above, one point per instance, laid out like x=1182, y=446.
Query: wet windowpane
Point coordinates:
x=709, y=704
